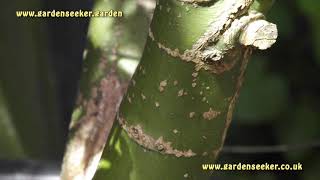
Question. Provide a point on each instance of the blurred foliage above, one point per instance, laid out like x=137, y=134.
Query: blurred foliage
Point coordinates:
x=10, y=145
x=264, y=95
x=283, y=82
x=311, y=9
x=282, y=86
x=28, y=97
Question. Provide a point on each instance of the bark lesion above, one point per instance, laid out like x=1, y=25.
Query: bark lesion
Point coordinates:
x=89, y=134
x=199, y=2
x=137, y=134
x=210, y=114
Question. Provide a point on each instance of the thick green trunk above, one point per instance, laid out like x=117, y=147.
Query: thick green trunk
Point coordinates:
x=177, y=109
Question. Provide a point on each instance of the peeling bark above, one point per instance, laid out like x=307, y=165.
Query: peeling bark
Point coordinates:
x=146, y=141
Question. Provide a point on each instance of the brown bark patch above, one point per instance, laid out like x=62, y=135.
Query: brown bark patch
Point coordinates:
x=210, y=114
x=136, y=133
x=91, y=131
x=162, y=85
